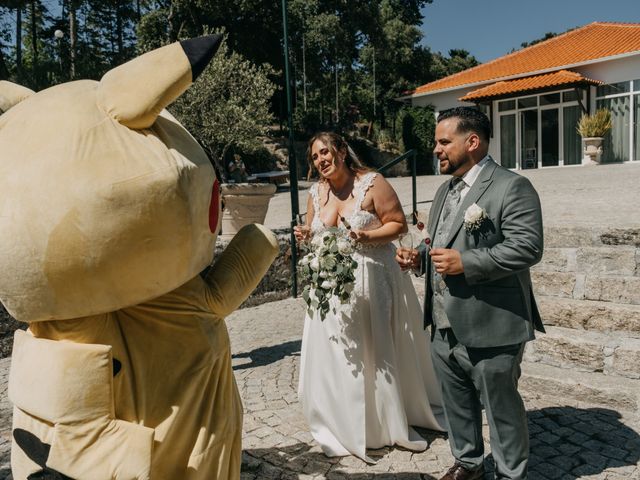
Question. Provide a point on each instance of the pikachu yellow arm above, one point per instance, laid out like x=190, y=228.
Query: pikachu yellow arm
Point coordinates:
x=240, y=268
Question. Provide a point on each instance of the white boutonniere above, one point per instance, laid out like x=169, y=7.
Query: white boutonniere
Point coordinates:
x=473, y=218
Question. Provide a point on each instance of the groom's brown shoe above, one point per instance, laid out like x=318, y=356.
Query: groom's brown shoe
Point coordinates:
x=458, y=472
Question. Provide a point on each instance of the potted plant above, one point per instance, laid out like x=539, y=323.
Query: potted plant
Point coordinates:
x=593, y=128
x=228, y=108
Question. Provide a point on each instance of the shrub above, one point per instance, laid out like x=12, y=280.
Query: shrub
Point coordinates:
x=597, y=124
x=228, y=106
x=417, y=132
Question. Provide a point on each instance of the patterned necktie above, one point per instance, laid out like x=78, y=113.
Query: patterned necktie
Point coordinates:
x=452, y=201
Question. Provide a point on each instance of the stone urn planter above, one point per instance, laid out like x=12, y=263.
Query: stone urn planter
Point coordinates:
x=592, y=128
x=592, y=148
x=244, y=203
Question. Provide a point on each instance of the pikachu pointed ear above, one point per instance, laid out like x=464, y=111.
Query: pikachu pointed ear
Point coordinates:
x=135, y=93
x=11, y=94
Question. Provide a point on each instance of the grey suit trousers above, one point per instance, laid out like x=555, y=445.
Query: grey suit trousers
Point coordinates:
x=474, y=377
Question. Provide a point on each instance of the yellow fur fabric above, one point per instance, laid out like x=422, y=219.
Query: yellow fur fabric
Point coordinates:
x=125, y=371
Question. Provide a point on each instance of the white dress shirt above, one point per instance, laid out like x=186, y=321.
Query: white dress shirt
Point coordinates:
x=470, y=177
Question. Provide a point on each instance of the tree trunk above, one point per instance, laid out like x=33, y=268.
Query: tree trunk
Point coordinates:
x=34, y=36
x=304, y=75
x=19, y=43
x=73, y=35
x=172, y=29
x=4, y=71
x=119, y=32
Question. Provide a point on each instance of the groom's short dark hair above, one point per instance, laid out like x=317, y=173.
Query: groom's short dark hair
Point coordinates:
x=470, y=119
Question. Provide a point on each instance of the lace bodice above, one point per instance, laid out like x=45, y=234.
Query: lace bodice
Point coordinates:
x=359, y=219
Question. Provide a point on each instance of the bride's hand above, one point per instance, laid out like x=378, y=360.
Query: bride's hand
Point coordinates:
x=302, y=233
x=359, y=235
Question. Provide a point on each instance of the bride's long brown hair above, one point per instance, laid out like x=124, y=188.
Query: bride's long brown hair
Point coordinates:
x=336, y=144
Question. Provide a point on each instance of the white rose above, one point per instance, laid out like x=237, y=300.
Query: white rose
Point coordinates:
x=323, y=274
x=317, y=241
x=474, y=214
x=326, y=285
x=314, y=264
x=305, y=260
x=344, y=246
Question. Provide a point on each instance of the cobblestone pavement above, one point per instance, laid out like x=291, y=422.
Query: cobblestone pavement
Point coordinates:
x=567, y=442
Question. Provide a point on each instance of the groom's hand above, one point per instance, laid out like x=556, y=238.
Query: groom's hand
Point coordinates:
x=446, y=261
x=408, y=258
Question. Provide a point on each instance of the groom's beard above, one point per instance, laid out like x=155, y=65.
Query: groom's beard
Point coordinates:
x=451, y=166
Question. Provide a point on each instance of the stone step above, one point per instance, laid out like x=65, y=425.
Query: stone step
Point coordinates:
x=610, y=354
x=590, y=237
x=605, y=260
x=581, y=286
x=595, y=315
x=590, y=315
x=582, y=388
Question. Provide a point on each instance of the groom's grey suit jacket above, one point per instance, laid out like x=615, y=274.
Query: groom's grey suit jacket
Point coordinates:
x=491, y=303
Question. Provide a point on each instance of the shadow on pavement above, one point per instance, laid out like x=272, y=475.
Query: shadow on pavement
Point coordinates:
x=295, y=461
x=581, y=442
x=266, y=355
x=566, y=442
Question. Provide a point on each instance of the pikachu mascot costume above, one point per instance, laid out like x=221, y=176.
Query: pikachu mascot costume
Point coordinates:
x=108, y=211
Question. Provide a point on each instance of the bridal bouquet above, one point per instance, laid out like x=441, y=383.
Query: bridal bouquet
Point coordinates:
x=328, y=270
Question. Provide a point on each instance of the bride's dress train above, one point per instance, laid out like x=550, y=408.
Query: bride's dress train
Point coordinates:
x=366, y=373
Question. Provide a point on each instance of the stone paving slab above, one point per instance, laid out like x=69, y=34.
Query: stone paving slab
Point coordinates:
x=567, y=442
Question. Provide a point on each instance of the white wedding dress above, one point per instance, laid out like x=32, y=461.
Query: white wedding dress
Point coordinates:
x=366, y=373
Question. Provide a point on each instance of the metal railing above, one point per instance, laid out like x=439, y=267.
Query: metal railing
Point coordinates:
x=411, y=155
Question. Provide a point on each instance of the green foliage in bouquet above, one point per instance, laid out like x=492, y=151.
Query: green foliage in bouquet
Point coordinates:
x=328, y=271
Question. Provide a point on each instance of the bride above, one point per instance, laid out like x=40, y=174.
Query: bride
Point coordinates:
x=365, y=371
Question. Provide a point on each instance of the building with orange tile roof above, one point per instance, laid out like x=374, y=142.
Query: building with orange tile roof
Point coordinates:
x=535, y=96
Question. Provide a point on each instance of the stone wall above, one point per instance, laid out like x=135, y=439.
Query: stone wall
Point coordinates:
x=8, y=325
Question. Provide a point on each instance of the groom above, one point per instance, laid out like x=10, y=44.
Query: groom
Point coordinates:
x=486, y=225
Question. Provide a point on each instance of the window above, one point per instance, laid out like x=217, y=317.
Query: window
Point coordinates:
x=550, y=99
x=571, y=96
x=613, y=89
x=636, y=130
x=616, y=143
x=508, y=140
x=527, y=102
x=506, y=105
x=572, y=141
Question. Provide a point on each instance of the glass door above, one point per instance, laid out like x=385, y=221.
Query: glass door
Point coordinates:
x=508, y=140
x=550, y=137
x=572, y=141
x=528, y=139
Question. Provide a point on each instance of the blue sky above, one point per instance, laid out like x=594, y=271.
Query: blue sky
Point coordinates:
x=491, y=28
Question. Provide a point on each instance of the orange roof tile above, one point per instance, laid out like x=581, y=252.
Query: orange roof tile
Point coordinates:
x=591, y=42
x=537, y=82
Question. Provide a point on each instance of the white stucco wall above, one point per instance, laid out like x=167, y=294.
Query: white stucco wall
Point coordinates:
x=612, y=71
x=442, y=101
